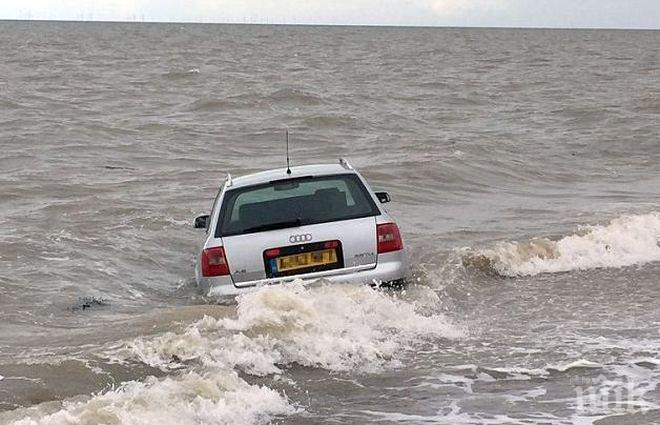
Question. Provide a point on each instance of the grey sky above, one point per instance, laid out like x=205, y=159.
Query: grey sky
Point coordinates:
x=518, y=13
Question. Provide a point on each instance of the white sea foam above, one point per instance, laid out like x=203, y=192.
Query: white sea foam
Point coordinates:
x=454, y=415
x=625, y=241
x=335, y=327
x=517, y=373
x=218, y=397
x=578, y=364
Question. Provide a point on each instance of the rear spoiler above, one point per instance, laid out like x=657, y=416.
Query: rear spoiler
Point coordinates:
x=343, y=162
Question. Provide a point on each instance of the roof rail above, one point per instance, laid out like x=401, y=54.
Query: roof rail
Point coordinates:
x=228, y=180
x=345, y=164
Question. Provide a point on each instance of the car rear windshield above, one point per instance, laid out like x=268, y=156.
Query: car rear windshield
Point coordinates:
x=294, y=202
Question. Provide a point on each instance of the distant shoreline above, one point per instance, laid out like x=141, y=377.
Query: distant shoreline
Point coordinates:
x=271, y=24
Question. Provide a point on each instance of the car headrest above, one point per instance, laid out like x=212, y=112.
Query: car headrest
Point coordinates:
x=250, y=214
x=332, y=195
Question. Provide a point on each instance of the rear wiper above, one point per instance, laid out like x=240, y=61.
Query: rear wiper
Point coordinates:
x=273, y=226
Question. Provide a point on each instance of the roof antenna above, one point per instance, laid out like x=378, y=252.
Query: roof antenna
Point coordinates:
x=288, y=168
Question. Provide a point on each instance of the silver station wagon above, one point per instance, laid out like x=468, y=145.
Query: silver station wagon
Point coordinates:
x=309, y=222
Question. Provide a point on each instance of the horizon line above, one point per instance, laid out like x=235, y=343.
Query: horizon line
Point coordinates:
x=311, y=24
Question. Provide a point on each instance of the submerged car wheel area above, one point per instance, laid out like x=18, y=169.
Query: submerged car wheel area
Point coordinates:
x=307, y=222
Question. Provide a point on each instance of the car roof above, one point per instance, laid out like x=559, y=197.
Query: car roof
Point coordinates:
x=280, y=174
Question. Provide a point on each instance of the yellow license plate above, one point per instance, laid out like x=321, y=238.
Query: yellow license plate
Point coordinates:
x=306, y=259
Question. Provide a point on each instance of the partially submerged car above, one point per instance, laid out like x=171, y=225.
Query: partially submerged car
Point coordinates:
x=308, y=222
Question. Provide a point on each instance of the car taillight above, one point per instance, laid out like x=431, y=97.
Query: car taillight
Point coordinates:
x=214, y=262
x=272, y=253
x=389, y=238
x=331, y=244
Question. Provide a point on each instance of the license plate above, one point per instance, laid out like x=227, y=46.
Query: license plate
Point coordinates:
x=306, y=259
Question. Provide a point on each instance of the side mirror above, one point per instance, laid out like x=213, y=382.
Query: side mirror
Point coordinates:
x=383, y=197
x=201, y=222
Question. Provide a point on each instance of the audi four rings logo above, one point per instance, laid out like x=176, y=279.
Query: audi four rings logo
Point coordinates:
x=306, y=237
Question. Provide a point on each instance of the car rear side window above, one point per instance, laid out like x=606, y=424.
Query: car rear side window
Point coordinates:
x=294, y=202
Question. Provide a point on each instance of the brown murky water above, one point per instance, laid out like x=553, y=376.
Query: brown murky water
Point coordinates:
x=524, y=166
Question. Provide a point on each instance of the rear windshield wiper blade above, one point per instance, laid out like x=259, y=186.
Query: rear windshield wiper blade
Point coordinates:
x=274, y=226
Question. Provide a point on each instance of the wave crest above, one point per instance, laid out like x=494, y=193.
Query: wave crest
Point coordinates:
x=336, y=327
x=214, y=397
x=625, y=241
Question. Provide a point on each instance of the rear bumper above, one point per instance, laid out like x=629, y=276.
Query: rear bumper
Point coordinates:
x=391, y=267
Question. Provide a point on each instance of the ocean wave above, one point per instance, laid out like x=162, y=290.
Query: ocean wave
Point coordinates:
x=334, y=327
x=10, y=103
x=219, y=397
x=210, y=105
x=329, y=120
x=518, y=373
x=296, y=96
x=182, y=74
x=627, y=240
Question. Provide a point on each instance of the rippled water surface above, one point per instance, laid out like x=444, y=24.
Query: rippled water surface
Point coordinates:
x=524, y=167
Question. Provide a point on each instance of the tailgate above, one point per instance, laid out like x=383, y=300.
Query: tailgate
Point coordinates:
x=297, y=251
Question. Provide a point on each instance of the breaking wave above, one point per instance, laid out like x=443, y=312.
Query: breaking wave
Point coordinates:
x=625, y=241
x=190, y=398
x=334, y=327
x=338, y=328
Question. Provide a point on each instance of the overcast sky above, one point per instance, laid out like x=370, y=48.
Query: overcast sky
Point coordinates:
x=506, y=13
